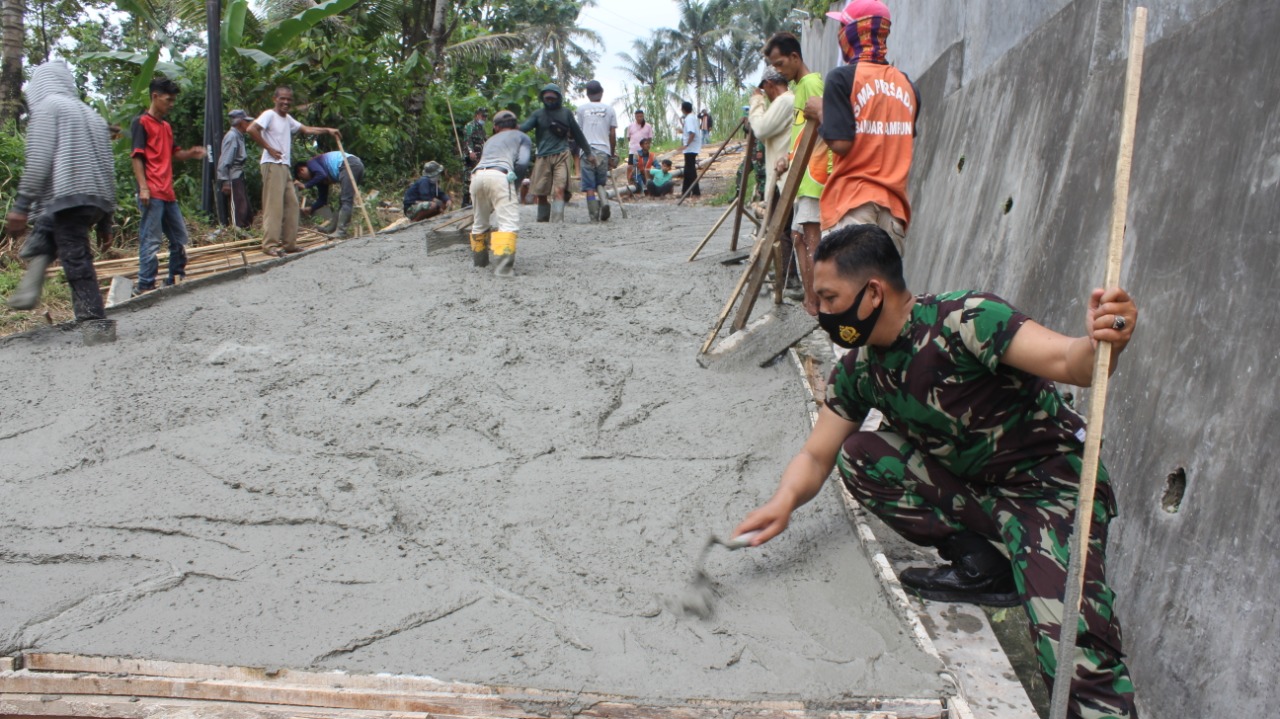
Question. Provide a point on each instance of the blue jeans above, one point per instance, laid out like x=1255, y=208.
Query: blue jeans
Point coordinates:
x=597, y=176
x=160, y=216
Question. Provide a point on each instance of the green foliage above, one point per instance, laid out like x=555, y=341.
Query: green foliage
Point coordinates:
x=282, y=34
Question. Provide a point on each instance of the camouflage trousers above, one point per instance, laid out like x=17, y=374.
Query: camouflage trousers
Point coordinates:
x=1031, y=515
x=468, y=167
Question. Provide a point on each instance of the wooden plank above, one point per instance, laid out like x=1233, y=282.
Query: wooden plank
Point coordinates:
x=7, y=664
x=778, y=219
x=748, y=156
x=732, y=206
x=490, y=705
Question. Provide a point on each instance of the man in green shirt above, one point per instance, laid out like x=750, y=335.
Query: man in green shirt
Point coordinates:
x=783, y=53
x=661, y=183
x=556, y=128
x=976, y=446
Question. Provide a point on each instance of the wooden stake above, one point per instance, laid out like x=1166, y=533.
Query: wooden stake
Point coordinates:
x=742, y=188
x=617, y=195
x=732, y=206
x=359, y=199
x=1101, y=377
x=723, y=145
x=778, y=219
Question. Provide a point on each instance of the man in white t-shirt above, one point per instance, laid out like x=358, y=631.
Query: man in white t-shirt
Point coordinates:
x=599, y=125
x=274, y=130
x=691, y=135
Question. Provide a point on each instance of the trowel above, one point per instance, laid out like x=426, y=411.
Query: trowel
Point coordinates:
x=699, y=596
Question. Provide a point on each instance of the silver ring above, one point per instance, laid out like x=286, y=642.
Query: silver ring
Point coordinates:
x=1119, y=323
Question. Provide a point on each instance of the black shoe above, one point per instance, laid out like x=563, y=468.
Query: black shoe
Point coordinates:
x=978, y=574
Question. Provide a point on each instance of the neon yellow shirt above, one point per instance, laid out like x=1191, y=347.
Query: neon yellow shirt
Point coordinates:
x=806, y=87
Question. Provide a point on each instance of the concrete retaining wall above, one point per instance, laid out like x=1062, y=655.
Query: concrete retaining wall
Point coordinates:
x=1028, y=96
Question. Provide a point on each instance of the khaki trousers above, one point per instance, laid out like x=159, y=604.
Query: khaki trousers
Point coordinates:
x=279, y=208
x=873, y=214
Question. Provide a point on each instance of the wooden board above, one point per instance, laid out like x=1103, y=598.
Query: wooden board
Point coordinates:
x=107, y=686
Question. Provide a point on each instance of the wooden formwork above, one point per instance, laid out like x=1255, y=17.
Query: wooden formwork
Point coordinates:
x=67, y=685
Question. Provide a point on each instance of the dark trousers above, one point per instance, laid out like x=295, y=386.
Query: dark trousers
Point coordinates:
x=690, y=178
x=239, y=197
x=655, y=190
x=70, y=229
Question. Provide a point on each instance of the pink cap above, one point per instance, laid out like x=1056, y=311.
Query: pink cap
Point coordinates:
x=859, y=9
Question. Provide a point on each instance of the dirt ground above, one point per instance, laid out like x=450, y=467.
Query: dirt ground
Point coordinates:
x=376, y=458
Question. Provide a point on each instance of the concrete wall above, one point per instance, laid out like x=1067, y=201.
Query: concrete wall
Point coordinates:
x=1028, y=94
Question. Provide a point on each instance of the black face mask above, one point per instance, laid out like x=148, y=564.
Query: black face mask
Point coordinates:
x=845, y=329
x=552, y=103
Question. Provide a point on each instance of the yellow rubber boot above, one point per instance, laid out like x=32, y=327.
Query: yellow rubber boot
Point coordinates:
x=480, y=249
x=504, y=253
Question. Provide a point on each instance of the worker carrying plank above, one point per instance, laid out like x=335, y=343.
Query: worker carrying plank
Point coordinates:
x=976, y=446
x=496, y=218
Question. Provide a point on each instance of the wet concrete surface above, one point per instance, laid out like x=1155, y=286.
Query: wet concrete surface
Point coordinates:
x=381, y=459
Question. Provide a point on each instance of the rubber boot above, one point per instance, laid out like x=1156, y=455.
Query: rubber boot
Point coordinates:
x=605, y=212
x=480, y=249
x=593, y=209
x=340, y=223
x=978, y=574
x=557, y=210
x=504, y=253
x=544, y=211
x=27, y=295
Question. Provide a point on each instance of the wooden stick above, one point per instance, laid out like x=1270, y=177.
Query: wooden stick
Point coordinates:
x=452, y=121
x=756, y=251
x=1083, y=525
x=723, y=145
x=778, y=219
x=356, y=188
x=742, y=188
x=732, y=206
x=617, y=195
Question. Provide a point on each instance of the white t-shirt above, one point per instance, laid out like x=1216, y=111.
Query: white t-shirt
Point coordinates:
x=278, y=131
x=595, y=119
x=691, y=126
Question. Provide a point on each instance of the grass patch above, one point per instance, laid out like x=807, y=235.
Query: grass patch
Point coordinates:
x=730, y=194
x=55, y=300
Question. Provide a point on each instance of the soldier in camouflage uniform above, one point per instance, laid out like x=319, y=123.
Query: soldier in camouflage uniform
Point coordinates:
x=473, y=138
x=976, y=446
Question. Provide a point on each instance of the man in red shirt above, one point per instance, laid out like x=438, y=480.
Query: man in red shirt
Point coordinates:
x=154, y=151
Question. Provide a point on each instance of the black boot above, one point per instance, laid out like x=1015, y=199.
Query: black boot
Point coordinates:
x=544, y=212
x=978, y=574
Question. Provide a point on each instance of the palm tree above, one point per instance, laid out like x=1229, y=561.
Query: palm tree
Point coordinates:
x=702, y=25
x=763, y=18
x=649, y=66
x=556, y=43
x=11, y=51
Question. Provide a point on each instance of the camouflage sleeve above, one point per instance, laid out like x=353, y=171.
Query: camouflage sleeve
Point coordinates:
x=987, y=325
x=842, y=392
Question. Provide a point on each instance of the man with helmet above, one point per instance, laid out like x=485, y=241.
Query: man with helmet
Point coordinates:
x=425, y=198
x=496, y=219
x=555, y=127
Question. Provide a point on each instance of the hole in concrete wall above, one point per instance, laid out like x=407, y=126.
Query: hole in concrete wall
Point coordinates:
x=1175, y=485
x=1008, y=205
x=960, y=164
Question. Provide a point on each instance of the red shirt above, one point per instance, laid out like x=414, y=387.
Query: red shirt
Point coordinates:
x=153, y=142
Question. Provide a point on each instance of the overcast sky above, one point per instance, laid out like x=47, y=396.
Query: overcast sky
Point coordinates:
x=619, y=22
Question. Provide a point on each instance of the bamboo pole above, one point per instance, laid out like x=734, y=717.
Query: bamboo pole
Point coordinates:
x=723, y=145
x=732, y=206
x=356, y=188
x=1101, y=370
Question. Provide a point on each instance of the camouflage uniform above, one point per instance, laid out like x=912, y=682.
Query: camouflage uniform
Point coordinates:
x=974, y=444
x=473, y=139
